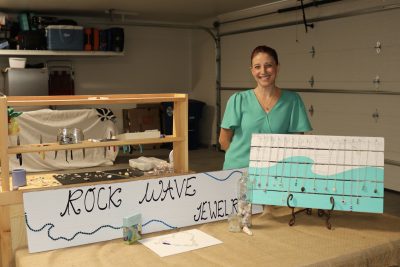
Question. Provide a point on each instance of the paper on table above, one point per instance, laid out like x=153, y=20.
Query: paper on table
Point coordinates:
x=179, y=242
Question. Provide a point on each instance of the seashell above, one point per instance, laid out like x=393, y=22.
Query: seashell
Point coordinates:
x=247, y=230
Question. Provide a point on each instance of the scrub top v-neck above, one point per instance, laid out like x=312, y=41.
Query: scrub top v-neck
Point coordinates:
x=245, y=116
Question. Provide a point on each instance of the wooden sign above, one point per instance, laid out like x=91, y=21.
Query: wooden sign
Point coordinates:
x=314, y=168
x=61, y=218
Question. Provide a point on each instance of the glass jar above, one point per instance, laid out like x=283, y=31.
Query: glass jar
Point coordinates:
x=244, y=199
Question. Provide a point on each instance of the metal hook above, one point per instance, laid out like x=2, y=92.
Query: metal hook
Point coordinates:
x=290, y=197
x=332, y=200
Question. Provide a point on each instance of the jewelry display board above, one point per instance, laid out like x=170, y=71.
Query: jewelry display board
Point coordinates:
x=314, y=171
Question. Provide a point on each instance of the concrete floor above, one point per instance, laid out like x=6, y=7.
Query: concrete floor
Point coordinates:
x=204, y=160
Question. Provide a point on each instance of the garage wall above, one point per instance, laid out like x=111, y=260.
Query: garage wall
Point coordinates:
x=203, y=83
x=345, y=59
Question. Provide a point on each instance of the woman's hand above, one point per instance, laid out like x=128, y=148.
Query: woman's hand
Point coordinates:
x=225, y=138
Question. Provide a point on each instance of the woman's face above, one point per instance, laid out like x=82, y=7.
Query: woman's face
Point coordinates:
x=264, y=70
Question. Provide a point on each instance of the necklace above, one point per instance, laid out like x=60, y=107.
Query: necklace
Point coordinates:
x=364, y=187
x=295, y=154
x=291, y=162
x=329, y=164
x=269, y=163
x=336, y=166
x=276, y=161
x=257, y=166
x=301, y=170
x=283, y=162
x=283, y=167
x=315, y=163
x=270, y=99
x=344, y=169
x=351, y=174
x=305, y=166
x=359, y=152
x=376, y=166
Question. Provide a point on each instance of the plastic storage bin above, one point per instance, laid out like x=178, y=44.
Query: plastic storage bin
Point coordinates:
x=195, y=113
x=17, y=62
x=64, y=37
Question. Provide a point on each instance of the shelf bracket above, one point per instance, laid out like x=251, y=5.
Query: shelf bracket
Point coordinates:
x=375, y=115
x=312, y=52
x=378, y=47
x=311, y=81
x=376, y=81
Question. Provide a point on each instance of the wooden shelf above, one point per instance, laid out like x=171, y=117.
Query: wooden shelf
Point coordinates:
x=93, y=99
x=86, y=144
x=179, y=138
x=9, y=52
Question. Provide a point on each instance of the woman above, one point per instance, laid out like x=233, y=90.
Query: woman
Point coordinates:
x=264, y=109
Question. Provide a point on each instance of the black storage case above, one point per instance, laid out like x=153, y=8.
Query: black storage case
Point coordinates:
x=115, y=39
x=32, y=40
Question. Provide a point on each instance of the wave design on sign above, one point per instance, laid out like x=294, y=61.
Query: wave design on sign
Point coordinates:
x=222, y=179
x=305, y=167
x=51, y=226
x=159, y=221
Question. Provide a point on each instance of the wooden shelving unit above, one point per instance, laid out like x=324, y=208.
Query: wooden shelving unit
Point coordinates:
x=10, y=52
x=12, y=223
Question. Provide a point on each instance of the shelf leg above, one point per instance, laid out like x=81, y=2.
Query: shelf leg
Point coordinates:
x=5, y=237
x=5, y=169
x=180, y=129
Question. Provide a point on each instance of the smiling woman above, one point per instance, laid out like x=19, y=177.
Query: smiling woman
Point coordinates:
x=264, y=109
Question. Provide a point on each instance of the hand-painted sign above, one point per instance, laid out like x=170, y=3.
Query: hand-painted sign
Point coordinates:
x=80, y=215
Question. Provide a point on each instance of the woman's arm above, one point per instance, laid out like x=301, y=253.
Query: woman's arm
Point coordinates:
x=225, y=138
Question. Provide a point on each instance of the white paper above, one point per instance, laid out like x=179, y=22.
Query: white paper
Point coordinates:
x=179, y=242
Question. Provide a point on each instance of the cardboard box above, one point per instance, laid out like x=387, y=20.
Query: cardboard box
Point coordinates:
x=141, y=118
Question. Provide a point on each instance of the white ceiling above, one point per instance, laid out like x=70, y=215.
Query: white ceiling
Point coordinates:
x=185, y=11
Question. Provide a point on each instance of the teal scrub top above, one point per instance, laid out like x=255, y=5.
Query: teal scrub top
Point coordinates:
x=245, y=116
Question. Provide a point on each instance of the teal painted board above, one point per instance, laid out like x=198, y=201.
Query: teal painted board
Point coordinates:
x=315, y=168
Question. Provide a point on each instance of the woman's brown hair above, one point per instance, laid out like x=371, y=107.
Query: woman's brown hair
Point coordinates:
x=264, y=49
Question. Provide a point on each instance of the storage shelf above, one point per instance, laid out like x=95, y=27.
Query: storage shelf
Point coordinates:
x=87, y=144
x=92, y=99
x=179, y=138
x=10, y=52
